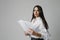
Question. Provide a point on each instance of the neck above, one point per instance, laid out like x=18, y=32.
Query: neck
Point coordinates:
x=37, y=16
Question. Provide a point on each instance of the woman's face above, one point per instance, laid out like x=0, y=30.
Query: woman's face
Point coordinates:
x=36, y=12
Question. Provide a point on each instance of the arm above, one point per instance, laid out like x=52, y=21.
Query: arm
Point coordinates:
x=37, y=34
x=32, y=32
x=44, y=32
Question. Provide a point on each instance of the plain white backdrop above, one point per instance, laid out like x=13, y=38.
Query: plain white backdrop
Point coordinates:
x=13, y=10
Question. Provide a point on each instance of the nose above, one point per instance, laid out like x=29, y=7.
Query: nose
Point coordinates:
x=36, y=12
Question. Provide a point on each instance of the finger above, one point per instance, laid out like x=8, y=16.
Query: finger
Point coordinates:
x=30, y=29
x=30, y=32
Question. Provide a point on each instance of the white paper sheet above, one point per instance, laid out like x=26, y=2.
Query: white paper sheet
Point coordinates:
x=26, y=25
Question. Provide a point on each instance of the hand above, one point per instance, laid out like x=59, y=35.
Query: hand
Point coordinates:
x=31, y=31
x=26, y=33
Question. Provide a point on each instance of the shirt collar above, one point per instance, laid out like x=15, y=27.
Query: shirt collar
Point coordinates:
x=38, y=18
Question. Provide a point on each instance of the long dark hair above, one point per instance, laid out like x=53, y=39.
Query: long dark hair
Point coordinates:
x=41, y=15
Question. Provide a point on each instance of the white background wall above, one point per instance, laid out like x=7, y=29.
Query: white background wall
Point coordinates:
x=13, y=10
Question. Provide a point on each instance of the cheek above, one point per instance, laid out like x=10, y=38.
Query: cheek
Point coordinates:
x=37, y=12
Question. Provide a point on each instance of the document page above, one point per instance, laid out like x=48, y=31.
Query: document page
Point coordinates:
x=26, y=25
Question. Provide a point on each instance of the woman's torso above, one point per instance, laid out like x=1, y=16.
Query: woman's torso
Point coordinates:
x=37, y=21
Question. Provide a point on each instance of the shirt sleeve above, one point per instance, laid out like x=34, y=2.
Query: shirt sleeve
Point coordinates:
x=43, y=32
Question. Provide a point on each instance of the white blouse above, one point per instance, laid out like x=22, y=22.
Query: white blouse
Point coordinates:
x=40, y=29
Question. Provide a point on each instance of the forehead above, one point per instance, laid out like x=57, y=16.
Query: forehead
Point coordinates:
x=36, y=8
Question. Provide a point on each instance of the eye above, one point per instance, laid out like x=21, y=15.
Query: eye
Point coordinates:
x=37, y=10
x=33, y=10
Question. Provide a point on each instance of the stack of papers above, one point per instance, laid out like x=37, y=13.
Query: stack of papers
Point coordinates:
x=26, y=25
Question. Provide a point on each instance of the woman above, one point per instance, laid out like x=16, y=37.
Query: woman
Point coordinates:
x=38, y=19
